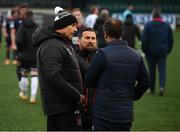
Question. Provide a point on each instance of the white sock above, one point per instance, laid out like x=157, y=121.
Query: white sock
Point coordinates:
x=24, y=83
x=34, y=86
x=20, y=85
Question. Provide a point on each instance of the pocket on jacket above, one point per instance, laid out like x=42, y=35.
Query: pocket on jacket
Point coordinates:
x=164, y=49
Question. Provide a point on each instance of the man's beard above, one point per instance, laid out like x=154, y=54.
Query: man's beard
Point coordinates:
x=88, y=51
x=89, y=48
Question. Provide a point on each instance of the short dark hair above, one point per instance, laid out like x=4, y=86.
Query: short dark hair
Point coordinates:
x=84, y=30
x=29, y=14
x=14, y=10
x=114, y=28
x=93, y=9
x=156, y=12
x=129, y=16
x=24, y=5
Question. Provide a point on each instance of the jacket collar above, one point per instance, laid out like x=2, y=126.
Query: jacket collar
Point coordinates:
x=118, y=42
x=158, y=19
x=63, y=38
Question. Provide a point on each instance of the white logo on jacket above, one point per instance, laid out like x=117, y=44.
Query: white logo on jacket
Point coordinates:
x=69, y=51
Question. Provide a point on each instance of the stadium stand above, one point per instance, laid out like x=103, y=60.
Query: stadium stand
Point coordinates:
x=141, y=6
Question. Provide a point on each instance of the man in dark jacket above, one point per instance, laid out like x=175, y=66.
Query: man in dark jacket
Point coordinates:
x=27, y=56
x=98, y=27
x=59, y=73
x=131, y=31
x=87, y=48
x=157, y=43
x=119, y=75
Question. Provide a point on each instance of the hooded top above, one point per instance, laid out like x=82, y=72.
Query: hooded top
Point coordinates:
x=98, y=27
x=131, y=31
x=26, y=50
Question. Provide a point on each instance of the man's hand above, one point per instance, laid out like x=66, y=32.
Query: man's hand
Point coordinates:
x=18, y=63
x=82, y=99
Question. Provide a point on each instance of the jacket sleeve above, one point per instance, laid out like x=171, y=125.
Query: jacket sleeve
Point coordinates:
x=95, y=70
x=142, y=81
x=51, y=61
x=20, y=38
x=144, y=39
x=170, y=39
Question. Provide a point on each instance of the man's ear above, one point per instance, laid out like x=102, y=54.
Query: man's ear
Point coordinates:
x=105, y=35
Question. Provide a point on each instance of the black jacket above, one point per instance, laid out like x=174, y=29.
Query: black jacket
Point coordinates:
x=89, y=93
x=98, y=27
x=157, y=38
x=59, y=73
x=120, y=77
x=26, y=50
x=130, y=32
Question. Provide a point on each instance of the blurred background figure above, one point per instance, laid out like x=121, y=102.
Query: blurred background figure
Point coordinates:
x=27, y=56
x=22, y=10
x=157, y=43
x=8, y=25
x=0, y=31
x=87, y=48
x=128, y=11
x=16, y=22
x=80, y=26
x=131, y=31
x=91, y=18
x=98, y=27
x=80, y=18
x=22, y=13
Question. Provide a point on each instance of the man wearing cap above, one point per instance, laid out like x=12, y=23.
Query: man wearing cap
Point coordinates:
x=59, y=73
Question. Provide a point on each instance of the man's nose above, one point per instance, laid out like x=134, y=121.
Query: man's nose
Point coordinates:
x=91, y=40
x=75, y=28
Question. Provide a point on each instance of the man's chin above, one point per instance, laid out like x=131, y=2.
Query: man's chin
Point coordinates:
x=90, y=49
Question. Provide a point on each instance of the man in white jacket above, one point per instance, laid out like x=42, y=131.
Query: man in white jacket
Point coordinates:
x=91, y=18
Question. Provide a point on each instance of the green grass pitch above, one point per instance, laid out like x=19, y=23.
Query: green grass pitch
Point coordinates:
x=152, y=112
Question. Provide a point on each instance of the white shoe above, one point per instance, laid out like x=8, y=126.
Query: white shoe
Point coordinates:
x=7, y=62
x=150, y=91
x=161, y=91
x=32, y=100
x=23, y=96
